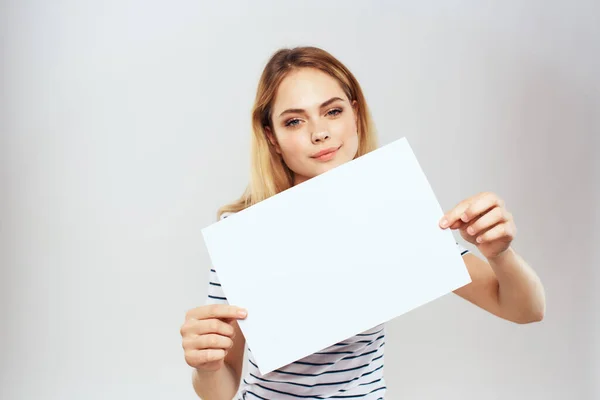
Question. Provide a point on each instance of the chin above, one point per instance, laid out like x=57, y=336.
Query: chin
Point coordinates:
x=310, y=171
x=331, y=165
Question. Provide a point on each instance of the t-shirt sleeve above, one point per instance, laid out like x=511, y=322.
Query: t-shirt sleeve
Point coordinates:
x=215, y=291
x=462, y=250
x=215, y=294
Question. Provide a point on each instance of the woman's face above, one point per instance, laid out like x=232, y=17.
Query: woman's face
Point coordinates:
x=315, y=126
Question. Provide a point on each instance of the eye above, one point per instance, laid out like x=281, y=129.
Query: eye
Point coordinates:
x=335, y=112
x=292, y=122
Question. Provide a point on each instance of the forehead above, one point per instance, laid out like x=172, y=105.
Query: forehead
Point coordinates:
x=306, y=88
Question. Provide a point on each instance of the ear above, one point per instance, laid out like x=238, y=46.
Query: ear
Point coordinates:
x=271, y=137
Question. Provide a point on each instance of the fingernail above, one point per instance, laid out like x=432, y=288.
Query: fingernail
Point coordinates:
x=242, y=313
x=464, y=217
x=444, y=223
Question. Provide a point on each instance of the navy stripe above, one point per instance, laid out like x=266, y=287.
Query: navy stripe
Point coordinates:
x=339, y=352
x=370, y=334
x=370, y=342
x=321, y=384
x=212, y=270
x=286, y=393
x=215, y=284
x=345, y=358
x=318, y=397
x=315, y=364
x=464, y=252
x=360, y=341
x=367, y=383
x=217, y=297
x=336, y=371
x=364, y=354
x=363, y=384
x=335, y=352
x=254, y=394
x=358, y=395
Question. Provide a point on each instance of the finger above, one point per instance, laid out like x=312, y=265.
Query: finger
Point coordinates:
x=205, y=358
x=458, y=225
x=212, y=366
x=486, y=221
x=452, y=217
x=502, y=231
x=221, y=311
x=481, y=205
x=210, y=341
x=206, y=326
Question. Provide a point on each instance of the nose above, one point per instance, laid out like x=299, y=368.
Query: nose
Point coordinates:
x=320, y=136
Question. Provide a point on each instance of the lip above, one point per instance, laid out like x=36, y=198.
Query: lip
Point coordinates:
x=325, y=152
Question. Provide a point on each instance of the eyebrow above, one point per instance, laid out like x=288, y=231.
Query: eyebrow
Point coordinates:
x=299, y=110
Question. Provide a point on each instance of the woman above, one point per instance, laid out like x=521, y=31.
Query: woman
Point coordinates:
x=309, y=116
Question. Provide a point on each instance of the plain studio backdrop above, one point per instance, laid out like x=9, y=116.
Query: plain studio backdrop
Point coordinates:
x=126, y=124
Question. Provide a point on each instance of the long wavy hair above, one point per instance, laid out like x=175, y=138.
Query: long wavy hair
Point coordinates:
x=269, y=174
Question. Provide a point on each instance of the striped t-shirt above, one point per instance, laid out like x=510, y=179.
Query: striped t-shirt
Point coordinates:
x=351, y=369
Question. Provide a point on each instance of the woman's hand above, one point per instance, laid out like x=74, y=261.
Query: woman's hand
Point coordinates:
x=483, y=221
x=207, y=335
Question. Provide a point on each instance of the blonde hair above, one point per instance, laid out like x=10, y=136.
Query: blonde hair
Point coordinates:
x=269, y=174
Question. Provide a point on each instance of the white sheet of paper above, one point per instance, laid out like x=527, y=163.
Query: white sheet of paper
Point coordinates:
x=336, y=255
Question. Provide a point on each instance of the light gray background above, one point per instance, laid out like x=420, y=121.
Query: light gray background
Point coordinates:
x=125, y=124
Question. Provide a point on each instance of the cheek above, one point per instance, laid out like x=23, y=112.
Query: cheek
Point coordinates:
x=349, y=136
x=292, y=145
x=345, y=127
x=346, y=130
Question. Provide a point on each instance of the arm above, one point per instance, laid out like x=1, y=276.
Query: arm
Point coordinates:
x=506, y=287
x=223, y=383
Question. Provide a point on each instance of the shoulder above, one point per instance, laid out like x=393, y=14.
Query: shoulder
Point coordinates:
x=225, y=215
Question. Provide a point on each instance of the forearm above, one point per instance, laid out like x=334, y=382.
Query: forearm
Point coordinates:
x=520, y=293
x=216, y=385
